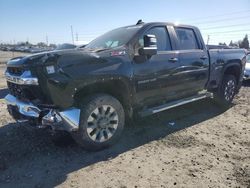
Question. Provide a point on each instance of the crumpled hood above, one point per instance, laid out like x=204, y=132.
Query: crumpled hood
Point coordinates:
x=60, y=57
x=65, y=58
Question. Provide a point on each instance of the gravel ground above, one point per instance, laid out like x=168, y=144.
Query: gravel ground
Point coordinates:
x=6, y=55
x=196, y=145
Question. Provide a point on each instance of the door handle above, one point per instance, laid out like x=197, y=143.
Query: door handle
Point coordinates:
x=173, y=60
x=203, y=57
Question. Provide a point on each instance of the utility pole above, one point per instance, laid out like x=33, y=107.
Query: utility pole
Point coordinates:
x=76, y=36
x=72, y=34
x=208, y=38
x=47, y=40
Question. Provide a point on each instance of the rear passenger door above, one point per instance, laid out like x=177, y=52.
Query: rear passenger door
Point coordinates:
x=193, y=58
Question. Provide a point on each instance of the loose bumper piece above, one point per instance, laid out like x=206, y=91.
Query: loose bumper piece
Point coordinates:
x=24, y=108
x=69, y=118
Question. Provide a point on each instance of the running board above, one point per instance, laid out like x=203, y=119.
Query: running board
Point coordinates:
x=173, y=104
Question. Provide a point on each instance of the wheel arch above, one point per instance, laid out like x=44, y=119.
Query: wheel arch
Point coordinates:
x=233, y=69
x=118, y=89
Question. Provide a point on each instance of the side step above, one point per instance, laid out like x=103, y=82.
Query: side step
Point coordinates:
x=173, y=104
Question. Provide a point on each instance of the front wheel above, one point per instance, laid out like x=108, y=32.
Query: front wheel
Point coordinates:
x=101, y=124
x=226, y=92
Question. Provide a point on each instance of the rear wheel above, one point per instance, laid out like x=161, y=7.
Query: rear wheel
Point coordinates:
x=102, y=121
x=225, y=94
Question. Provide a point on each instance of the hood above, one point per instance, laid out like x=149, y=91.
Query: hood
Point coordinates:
x=63, y=58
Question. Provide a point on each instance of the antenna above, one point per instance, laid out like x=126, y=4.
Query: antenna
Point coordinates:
x=208, y=38
x=139, y=22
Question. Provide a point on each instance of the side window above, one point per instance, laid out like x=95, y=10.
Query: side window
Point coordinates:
x=187, y=39
x=163, y=41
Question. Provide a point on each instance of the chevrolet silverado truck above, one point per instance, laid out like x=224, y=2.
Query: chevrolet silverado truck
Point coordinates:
x=137, y=70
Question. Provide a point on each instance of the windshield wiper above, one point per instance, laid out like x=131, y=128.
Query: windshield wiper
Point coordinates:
x=97, y=49
x=101, y=49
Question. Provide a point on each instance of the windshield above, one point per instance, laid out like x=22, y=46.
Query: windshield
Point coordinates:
x=114, y=38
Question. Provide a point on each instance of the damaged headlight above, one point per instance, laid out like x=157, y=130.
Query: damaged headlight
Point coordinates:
x=25, y=79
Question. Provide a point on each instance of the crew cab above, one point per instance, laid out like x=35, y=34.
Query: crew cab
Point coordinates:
x=136, y=70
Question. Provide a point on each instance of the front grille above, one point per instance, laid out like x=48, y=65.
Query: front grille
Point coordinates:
x=21, y=92
x=17, y=71
x=14, y=89
x=25, y=92
x=28, y=93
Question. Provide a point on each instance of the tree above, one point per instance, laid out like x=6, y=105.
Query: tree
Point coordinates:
x=234, y=44
x=41, y=44
x=52, y=45
x=231, y=43
x=244, y=43
x=223, y=44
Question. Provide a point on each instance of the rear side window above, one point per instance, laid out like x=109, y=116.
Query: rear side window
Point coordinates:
x=187, y=39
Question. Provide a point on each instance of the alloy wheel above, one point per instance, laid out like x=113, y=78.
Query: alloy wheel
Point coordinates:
x=102, y=123
x=229, y=90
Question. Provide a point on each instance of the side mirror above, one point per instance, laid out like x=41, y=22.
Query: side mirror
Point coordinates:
x=150, y=46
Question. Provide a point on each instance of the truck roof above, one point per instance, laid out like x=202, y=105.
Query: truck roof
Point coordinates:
x=164, y=23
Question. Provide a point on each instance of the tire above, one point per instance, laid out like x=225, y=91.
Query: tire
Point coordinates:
x=101, y=122
x=226, y=92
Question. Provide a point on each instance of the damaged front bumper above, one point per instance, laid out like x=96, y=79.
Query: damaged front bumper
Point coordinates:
x=67, y=120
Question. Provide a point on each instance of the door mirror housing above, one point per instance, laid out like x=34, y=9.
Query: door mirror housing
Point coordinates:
x=150, y=46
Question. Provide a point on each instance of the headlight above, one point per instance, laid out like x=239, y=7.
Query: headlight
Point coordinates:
x=25, y=79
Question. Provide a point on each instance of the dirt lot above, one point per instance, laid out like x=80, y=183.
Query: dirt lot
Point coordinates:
x=206, y=147
x=6, y=55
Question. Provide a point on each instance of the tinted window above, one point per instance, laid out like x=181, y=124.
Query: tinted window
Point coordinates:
x=186, y=39
x=163, y=42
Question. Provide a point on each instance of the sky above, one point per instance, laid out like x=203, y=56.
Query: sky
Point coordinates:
x=51, y=20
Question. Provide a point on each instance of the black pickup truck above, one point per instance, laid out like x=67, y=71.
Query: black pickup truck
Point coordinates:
x=136, y=70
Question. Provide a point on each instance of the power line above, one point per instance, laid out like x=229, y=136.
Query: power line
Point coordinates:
x=229, y=13
x=233, y=31
x=227, y=37
x=221, y=20
x=226, y=26
x=94, y=34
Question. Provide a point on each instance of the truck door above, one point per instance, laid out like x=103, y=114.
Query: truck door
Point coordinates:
x=193, y=59
x=155, y=77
